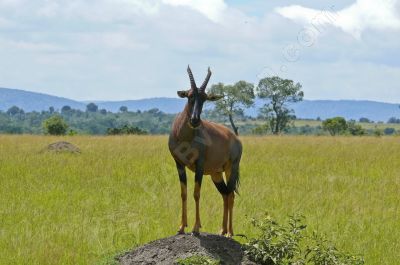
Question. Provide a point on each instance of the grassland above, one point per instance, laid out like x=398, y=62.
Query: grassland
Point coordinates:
x=124, y=191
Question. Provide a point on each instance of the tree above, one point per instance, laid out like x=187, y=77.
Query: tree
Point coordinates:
x=65, y=109
x=51, y=110
x=55, y=125
x=389, y=131
x=91, y=107
x=278, y=92
x=235, y=98
x=14, y=110
x=365, y=120
x=334, y=126
x=123, y=109
x=393, y=120
x=103, y=111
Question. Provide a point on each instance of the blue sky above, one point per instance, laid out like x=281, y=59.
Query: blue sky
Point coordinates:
x=130, y=49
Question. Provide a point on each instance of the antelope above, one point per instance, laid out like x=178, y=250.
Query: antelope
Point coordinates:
x=205, y=148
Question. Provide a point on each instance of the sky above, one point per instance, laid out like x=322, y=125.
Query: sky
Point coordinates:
x=132, y=49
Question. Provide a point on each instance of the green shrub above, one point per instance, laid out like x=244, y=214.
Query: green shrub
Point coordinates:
x=335, y=126
x=55, y=125
x=323, y=252
x=198, y=260
x=288, y=244
x=355, y=129
x=126, y=129
x=276, y=244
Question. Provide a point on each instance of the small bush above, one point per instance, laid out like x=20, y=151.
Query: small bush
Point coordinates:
x=198, y=260
x=378, y=132
x=355, y=129
x=335, y=126
x=126, y=130
x=389, y=131
x=276, y=244
x=55, y=125
x=288, y=244
x=323, y=252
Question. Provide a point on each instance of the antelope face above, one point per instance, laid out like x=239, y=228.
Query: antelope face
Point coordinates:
x=196, y=98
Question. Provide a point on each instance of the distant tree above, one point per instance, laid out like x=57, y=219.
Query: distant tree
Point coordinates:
x=318, y=118
x=103, y=111
x=393, y=120
x=334, y=126
x=355, y=129
x=153, y=111
x=91, y=107
x=14, y=110
x=55, y=125
x=365, y=120
x=389, y=131
x=123, y=109
x=51, y=110
x=235, y=98
x=278, y=92
x=65, y=109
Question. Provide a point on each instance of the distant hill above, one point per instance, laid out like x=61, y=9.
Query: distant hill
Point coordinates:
x=167, y=105
x=308, y=109
x=30, y=101
x=350, y=109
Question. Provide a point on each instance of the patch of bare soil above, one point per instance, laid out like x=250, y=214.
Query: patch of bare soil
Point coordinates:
x=168, y=250
x=62, y=147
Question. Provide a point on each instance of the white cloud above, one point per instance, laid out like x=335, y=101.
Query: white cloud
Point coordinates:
x=212, y=9
x=29, y=46
x=140, y=48
x=108, y=10
x=354, y=19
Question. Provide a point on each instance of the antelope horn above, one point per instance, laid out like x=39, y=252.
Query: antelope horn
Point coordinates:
x=192, y=82
x=204, y=85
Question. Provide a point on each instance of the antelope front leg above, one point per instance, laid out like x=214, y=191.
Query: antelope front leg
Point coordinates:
x=183, y=181
x=196, y=194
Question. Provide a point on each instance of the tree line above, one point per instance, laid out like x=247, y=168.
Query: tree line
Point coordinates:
x=275, y=116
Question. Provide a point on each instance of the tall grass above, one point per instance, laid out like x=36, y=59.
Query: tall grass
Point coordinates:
x=124, y=191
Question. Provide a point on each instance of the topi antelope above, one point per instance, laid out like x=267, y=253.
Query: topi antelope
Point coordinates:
x=206, y=148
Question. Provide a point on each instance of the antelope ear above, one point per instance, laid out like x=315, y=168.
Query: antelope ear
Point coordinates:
x=212, y=97
x=182, y=93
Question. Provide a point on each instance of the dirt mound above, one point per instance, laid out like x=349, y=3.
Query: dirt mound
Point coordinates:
x=168, y=250
x=64, y=147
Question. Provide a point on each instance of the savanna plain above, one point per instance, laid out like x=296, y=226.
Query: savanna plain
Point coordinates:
x=124, y=191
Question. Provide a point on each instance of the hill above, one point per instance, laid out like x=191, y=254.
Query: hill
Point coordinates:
x=308, y=109
x=350, y=109
x=167, y=105
x=30, y=101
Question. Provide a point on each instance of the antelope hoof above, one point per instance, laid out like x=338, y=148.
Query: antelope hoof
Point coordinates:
x=229, y=235
x=195, y=233
x=180, y=232
x=222, y=232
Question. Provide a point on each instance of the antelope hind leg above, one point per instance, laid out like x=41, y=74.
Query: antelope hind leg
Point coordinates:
x=222, y=188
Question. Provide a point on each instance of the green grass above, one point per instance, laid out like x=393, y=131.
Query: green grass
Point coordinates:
x=198, y=260
x=124, y=191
